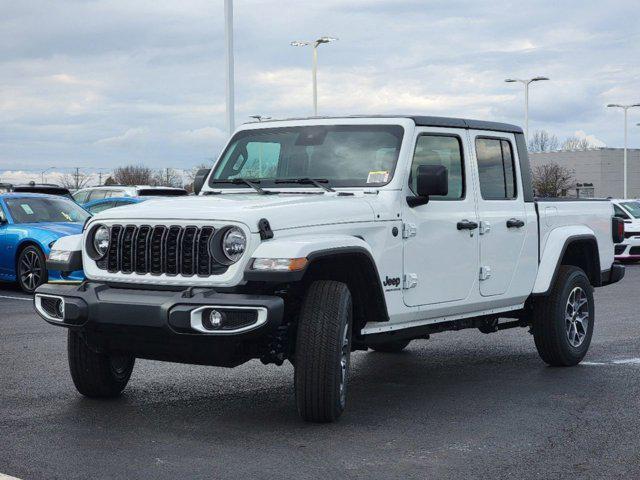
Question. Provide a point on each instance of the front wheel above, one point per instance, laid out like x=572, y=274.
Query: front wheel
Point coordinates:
x=95, y=374
x=563, y=321
x=31, y=271
x=323, y=351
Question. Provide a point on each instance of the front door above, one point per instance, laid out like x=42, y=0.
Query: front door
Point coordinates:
x=501, y=211
x=441, y=244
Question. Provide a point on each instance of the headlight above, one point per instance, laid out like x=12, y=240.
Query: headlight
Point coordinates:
x=101, y=240
x=234, y=243
x=59, y=256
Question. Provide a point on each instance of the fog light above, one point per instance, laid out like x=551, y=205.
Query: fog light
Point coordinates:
x=212, y=321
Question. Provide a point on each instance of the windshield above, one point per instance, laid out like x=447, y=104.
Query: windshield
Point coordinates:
x=39, y=210
x=344, y=155
x=633, y=208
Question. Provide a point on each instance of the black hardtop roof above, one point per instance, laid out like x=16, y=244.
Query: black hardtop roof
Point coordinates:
x=426, y=121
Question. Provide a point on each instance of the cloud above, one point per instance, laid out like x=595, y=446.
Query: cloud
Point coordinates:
x=112, y=82
x=133, y=136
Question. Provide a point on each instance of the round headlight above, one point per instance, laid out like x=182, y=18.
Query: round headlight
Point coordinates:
x=234, y=244
x=101, y=240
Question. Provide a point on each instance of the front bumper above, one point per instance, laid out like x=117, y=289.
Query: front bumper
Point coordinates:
x=164, y=325
x=629, y=249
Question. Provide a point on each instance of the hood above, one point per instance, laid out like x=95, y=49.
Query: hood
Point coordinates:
x=282, y=211
x=60, y=229
x=632, y=225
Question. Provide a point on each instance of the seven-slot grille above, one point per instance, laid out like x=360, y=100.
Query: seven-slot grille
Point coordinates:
x=161, y=249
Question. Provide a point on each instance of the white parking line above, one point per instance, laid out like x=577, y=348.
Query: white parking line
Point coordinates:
x=621, y=361
x=15, y=298
x=7, y=477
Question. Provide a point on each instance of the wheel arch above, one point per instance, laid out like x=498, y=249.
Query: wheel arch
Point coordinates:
x=580, y=250
x=355, y=267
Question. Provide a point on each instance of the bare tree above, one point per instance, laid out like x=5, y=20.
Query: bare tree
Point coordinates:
x=543, y=141
x=167, y=177
x=133, y=175
x=75, y=181
x=552, y=180
x=574, y=143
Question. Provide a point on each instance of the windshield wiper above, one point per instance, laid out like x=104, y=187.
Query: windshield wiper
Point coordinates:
x=251, y=183
x=318, y=182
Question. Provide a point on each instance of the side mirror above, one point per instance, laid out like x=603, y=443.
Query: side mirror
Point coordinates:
x=199, y=179
x=430, y=180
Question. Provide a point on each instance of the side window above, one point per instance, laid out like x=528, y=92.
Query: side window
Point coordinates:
x=81, y=197
x=3, y=217
x=618, y=212
x=445, y=150
x=97, y=194
x=496, y=170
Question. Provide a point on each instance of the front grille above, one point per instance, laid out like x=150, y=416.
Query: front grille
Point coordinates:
x=634, y=251
x=161, y=249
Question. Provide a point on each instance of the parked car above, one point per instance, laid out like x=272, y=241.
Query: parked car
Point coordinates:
x=29, y=225
x=45, y=188
x=629, y=211
x=87, y=195
x=97, y=206
x=5, y=187
x=311, y=238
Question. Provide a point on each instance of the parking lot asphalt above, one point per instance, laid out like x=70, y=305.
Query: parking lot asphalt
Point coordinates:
x=460, y=405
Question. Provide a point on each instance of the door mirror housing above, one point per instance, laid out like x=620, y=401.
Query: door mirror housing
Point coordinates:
x=431, y=180
x=199, y=179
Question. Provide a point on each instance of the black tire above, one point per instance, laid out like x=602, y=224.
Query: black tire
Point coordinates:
x=394, y=346
x=322, y=356
x=558, y=343
x=97, y=375
x=31, y=269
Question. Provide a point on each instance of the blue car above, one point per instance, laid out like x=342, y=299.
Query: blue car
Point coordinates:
x=29, y=226
x=97, y=206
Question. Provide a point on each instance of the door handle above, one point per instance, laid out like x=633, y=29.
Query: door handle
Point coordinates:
x=466, y=225
x=515, y=223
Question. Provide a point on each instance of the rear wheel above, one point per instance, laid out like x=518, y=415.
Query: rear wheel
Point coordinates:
x=563, y=322
x=394, y=346
x=31, y=271
x=323, y=351
x=100, y=375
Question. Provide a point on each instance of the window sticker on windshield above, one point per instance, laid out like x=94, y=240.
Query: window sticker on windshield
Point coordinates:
x=381, y=176
x=26, y=208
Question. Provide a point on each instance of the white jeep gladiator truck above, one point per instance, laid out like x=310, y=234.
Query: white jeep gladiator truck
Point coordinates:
x=312, y=238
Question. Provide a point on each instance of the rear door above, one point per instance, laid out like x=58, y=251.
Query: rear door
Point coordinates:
x=441, y=244
x=501, y=210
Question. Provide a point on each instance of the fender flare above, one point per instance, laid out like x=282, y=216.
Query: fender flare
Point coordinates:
x=316, y=249
x=554, y=251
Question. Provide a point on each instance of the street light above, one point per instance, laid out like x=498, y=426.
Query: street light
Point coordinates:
x=526, y=83
x=315, y=44
x=43, y=172
x=229, y=77
x=625, y=108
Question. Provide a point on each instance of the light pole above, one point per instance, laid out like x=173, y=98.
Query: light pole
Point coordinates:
x=624, y=163
x=314, y=72
x=228, y=37
x=43, y=172
x=526, y=83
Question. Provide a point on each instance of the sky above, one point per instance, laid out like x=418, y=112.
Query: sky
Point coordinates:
x=101, y=83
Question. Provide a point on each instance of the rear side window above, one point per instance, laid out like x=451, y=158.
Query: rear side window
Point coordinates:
x=445, y=150
x=496, y=170
x=81, y=197
x=618, y=212
x=97, y=194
